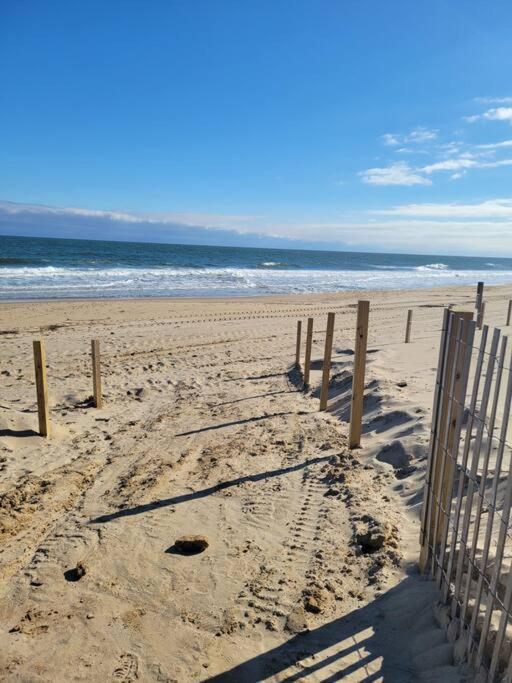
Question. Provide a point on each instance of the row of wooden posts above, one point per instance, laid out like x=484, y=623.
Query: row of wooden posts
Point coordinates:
x=43, y=409
x=363, y=307
x=361, y=341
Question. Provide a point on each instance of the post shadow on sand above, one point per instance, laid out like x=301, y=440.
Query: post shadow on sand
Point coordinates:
x=21, y=433
x=384, y=629
x=247, y=420
x=195, y=495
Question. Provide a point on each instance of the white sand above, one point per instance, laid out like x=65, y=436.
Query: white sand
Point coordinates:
x=220, y=442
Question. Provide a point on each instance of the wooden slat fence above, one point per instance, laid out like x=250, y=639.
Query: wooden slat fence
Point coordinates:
x=466, y=540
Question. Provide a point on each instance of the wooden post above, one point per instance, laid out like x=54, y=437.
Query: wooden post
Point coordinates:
x=480, y=315
x=479, y=296
x=41, y=387
x=307, y=358
x=324, y=394
x=408, y=326
x=96, y=373
x=356, y=408
x=509, y=312
x=297, y=347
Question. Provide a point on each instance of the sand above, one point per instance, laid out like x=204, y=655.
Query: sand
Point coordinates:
x=310, y=570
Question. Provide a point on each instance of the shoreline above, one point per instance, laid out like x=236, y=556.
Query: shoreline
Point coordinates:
x=248, y=297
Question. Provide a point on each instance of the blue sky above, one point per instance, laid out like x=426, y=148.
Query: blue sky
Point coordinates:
x=357, y=124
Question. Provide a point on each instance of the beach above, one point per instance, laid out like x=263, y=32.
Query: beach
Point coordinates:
x=310, y=570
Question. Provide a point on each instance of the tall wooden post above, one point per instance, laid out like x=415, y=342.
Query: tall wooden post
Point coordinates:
x=480, y=315
x=324, y=393
x=297, y=346
x=41, y=387
x=307, y=358
x=509, y=312
x=356, y=408
x=408, y=326
x=479, y=295
x=96, y=373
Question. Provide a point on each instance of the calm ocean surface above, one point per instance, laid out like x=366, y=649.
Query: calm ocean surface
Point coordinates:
x=56, y=268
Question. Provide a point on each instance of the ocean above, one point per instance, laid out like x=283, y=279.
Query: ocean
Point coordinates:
x=39, y=268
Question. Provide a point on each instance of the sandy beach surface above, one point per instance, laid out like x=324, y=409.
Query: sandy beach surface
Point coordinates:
x=310, y=570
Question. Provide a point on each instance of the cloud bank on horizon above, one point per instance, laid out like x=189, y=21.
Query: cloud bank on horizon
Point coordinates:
x=413, y=228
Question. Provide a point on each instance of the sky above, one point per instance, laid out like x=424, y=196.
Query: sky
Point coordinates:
x=381, y=125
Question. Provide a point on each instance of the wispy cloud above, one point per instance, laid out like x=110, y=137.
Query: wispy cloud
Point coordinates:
x=495, y=114
x=494, y=100
x=418, y=135
x=496, y=145
x=399, y=173
x=492, y=208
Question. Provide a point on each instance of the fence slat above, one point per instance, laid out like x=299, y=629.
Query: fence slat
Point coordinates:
x=452, y=443
x=440, y=432
x=477, y=440
x=356, y=406
x=307, y=358
x=464, y=463
x=326, y=371
x=497, y=469
x=505, y=518
x=43, y=413
x=427, y=498
x=449, y=423
x=477, y=445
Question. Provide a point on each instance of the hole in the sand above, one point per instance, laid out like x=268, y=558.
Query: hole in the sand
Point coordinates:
x=72, y=574
x=173, y=550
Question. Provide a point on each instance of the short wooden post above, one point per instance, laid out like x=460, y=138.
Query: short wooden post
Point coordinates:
x=41, y=387
x=509, y=312
x=480, y=315
x=356, y=408
x=307, y=358
x=297, y=346
x=324, y=394
x=408, y=326
x=479, y=295
x=96, y=373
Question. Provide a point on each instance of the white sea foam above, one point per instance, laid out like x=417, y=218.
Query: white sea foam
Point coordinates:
x=51, y=281
x=433, y=266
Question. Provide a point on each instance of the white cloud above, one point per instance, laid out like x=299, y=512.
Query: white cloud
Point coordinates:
x=396, y=174
x=495, y=114
x=390, y=139
x=496, y=145
x=421, y=135
x=418, y=135
x=494, y=100
x=492, y=208
x=449, y=165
